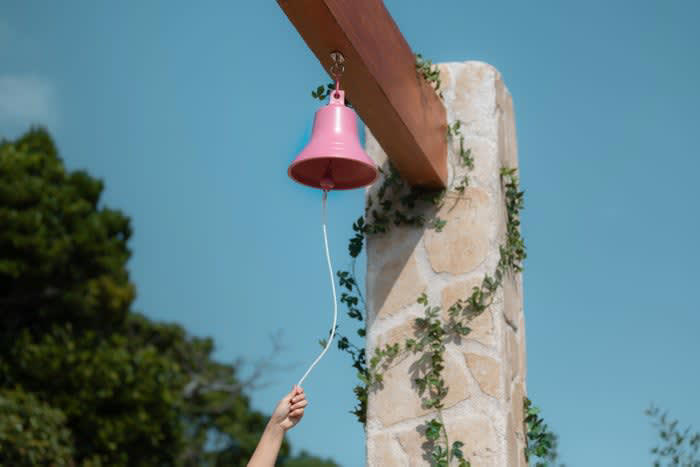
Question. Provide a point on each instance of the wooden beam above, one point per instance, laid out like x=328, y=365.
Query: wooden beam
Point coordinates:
x=400, y=108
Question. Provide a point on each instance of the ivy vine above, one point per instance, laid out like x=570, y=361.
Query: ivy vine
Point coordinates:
x=430, y=72
x=541, y=442
x=396, y=204
x=322, y=92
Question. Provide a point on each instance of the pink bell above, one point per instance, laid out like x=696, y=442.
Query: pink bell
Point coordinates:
x=334, y=158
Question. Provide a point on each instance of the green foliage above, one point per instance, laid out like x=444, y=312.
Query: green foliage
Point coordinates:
x=352, y=299
x=438, y=224
x=355, y=245
x=429, y=72
x=397, y=204
x=541, y=442
x=32, y=432
x=455, y=129
x=678, y=448
x=121, y=401
x=62, y=256
x=459, y=455
x=304, y=459
x=513, y=252
x=464, y=154
x=429, y=340
x=65, y=294
x=83, y=379
x=321, y=93
x=433, y=430
x=436, y=452
x=441, y=455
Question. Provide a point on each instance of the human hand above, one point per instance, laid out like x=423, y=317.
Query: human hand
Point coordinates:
x=287, y=414
x=290, y=409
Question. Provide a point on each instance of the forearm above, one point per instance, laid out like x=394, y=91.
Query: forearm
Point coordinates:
x=265, y=454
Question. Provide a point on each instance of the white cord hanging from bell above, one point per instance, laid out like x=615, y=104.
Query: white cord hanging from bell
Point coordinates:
x=335, y=144
x=335, y=301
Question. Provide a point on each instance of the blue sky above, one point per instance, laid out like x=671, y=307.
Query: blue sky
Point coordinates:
x=191, y=115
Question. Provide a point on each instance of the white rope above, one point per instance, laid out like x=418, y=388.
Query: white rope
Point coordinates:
x=335, y=301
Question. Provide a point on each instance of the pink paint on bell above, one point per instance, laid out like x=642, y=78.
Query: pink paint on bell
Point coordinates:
x=334, y=158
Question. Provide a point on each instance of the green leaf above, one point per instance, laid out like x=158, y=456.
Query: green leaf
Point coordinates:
x=433, y=430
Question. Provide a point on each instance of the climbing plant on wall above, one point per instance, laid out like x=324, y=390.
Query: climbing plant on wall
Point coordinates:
x=395, y=204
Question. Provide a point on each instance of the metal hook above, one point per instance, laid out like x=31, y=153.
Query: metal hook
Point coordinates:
x=338, y=67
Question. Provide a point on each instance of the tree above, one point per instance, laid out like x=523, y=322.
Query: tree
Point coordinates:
x=31, y=432
x=83, y=379
x=678, y=448
x=304, y=459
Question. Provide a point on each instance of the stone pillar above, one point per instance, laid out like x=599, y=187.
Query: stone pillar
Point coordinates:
x=485, y=372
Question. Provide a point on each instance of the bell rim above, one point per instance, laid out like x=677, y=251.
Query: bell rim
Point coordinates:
x=369, y=165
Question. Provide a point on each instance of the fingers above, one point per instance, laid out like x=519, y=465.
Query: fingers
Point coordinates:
x=295, y=390
x=295, y=400
x=297, y=397
x=299, y=405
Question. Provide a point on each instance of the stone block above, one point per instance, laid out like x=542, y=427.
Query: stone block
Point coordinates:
x=446, y=78
x=512, y=445
x=507, y=140
x=463, y=243
x=384, y=449
x=517, y=408
x=512, y=300
x=396, y=284
x=513, y=355
x=487, y=373
x=475, y=103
